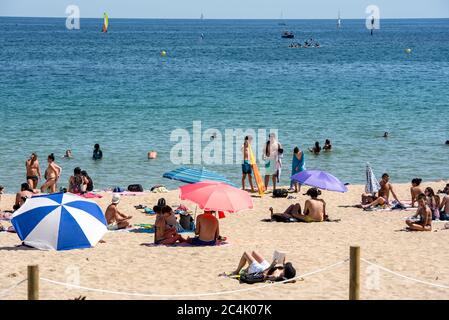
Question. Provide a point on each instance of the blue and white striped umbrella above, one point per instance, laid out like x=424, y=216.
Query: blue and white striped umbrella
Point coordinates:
x=60, y=221
x=194, y=175
x=372, y=185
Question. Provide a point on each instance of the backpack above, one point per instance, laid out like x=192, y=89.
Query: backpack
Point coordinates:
x=280, y=193
x=252, y=278
x=186, y=220
x=135, y=188
x=118, y=189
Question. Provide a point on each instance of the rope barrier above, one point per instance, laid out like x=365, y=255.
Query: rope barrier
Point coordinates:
x=73, y=286
x=405, y=277
x=6, y=291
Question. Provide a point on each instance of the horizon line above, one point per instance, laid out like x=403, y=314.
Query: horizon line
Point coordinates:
x=283, y=19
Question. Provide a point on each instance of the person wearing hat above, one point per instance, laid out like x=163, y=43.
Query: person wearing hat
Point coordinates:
x=276, y=271
x=114, y=218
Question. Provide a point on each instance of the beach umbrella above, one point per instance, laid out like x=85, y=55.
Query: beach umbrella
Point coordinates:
x=216, y=196
x=193, y=175
x=372, y=184
x=60, y=221
x=319, y=179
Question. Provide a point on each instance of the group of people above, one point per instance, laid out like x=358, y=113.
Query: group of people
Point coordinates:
x=307, y=44
x=273, y=155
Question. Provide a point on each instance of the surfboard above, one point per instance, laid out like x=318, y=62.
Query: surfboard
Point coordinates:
x=256, y=173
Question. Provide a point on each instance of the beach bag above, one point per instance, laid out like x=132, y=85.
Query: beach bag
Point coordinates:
x=252, y=278
x=135, y=188
x=186, y=221
x=280, y=193
x=118, y=189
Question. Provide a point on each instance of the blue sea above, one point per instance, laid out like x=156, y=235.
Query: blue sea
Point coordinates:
x=69, y=89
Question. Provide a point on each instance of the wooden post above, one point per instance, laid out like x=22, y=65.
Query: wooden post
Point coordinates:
x=33, y=282
x=354, y=273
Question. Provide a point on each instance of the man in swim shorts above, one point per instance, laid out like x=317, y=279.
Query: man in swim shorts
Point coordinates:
x=246, y=166
x=114, y=218
x=33, y=171
x=207, y=230
x=384, y=193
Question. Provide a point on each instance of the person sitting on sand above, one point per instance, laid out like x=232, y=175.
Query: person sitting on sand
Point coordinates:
x=314, y=208
x=444, y=204
x=207, y=230
x=276, y=271
x=90, y=182
x=425, y=216
x=384, y=193
x=433, y=201
x=316, y=149
x=164, y=233
x=52, y=175
x=114, y=218
x=327, y=145
x=415, y=190
x=77, y=182
x=25, y=193
x=292, y=212
x=33, y=171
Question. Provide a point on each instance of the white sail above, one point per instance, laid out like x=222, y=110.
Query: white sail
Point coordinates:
x=339, y=20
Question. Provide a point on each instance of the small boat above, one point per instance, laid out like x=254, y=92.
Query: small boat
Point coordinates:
x=288, y=35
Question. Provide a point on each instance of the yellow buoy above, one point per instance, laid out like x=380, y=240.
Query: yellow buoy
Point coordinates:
x=163, y=53
x=408, y=50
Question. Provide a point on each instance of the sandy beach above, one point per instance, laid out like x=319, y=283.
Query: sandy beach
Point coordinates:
x=124, y=264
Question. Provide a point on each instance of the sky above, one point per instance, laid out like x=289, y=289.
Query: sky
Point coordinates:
x=228, y=9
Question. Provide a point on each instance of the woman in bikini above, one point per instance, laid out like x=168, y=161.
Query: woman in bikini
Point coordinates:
x=52, y=175
x=415, y=190
x=433, y=201
x=33, y=171
x=425, y=216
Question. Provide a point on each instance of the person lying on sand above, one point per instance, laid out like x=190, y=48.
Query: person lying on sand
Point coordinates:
x=165, y=234
x=207, y=230
x=276, y=271
x=415, y=190
x=114, y=218
x=292, y=212
x=384, y=193
x=425, y=216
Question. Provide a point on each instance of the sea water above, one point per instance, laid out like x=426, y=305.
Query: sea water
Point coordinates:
x=69, y=89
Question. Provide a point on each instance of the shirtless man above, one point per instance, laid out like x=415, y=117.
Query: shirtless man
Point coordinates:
x=425, y=216
x=207, y=230
x=246, y=166
x=114, y=218
x=33, y=171
x=25, y=193
x=165, y=234
x=384, y=193
x=314, y=208
x=52, y=175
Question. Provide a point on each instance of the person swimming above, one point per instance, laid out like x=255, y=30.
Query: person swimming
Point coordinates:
x=316, y=149
x=386, y=134
x=327, y=145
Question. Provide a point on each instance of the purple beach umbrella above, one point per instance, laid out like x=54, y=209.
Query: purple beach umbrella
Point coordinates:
x=319, y=179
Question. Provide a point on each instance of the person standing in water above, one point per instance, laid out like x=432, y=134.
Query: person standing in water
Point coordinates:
x=246, y=166
x=52, y=175
x=271, y=153
x=97, y=154
x=298, y=163
x=33, y=171
x=316, y=149
x=327, y=146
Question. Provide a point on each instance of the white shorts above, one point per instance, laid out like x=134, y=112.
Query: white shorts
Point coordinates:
x=256, y=267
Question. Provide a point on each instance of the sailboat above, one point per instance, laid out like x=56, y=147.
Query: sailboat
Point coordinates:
x=202, y=17
x=105, y=23
x=281, y=22
x=339, y=20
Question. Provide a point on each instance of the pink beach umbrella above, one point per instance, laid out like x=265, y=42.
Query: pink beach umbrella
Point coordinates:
x=216, y=196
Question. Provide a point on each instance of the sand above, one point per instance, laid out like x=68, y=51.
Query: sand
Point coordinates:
x=123, y=264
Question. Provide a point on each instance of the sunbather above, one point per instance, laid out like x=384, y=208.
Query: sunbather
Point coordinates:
x=164, y=233
x=444, y=205
x=384, y=193
x=415, y=190
x=114, y=218
x=207, y=230
x=293, y=211
x=425, y=216
x=276, y=271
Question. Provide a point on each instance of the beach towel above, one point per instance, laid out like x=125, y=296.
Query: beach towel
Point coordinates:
x=185, y=244
x=129, y=193
x=90, y=195
x=5, y=216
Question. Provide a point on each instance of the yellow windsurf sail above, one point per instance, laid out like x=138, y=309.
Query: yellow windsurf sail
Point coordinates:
x=257, y=176
x=105, y=22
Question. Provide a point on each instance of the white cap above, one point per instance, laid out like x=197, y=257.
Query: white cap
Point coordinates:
x=115, y=198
